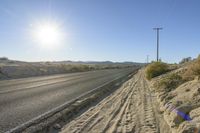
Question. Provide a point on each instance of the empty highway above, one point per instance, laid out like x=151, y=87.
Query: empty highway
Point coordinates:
x=24, y=99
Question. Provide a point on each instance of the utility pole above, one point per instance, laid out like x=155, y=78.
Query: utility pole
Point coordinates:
x=157, y=29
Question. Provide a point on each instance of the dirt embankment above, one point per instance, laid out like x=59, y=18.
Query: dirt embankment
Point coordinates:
x=132, y=108
x=180, y=106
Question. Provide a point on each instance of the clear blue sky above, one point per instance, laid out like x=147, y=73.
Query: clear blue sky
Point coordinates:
x=116, y=30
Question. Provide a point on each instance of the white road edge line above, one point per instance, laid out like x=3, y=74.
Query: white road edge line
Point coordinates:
x=57, y=109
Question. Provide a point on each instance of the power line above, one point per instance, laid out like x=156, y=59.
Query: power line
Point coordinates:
x=157, y=29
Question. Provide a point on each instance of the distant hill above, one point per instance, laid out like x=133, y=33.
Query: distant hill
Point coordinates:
x=99, y=62
x=19, y=69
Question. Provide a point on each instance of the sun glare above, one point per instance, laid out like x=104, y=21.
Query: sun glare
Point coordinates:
x=47, y=35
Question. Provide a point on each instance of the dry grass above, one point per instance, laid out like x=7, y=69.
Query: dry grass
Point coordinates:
x=193, y=70
x=169, y=82
x=155, y=69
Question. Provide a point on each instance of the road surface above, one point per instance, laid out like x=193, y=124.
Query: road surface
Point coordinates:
x=24, y=99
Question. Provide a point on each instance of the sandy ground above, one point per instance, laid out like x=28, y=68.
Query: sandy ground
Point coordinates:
x=132, y=108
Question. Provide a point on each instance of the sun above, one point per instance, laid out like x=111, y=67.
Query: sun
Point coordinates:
x=47, y=35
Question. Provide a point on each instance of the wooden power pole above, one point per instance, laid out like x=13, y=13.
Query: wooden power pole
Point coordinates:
x=157, y=30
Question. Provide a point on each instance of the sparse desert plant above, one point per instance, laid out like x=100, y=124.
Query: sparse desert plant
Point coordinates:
x=193, y=70
x=75, y=67
x=155, y=69
x=80, y=68
x=170, y=82
x=195, y=67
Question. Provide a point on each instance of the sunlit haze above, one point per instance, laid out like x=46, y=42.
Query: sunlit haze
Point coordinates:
x=98, y=30
x=47, y=35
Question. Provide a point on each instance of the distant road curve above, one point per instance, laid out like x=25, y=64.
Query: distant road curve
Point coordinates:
x=24, y=99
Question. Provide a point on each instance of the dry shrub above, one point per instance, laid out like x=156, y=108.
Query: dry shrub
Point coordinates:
x=75, y=67
x=155, y=69
x=193, y=70
x=170, y=82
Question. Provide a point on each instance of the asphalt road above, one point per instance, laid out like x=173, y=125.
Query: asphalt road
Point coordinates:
x=23, y=99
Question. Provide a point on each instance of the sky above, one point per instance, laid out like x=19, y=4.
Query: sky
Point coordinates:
x=100, y=30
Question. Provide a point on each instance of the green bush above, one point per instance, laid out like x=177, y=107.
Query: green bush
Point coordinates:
x=170, y=82
x=155, y=69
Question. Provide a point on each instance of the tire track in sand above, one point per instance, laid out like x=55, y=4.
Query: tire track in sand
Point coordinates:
x=127, y=110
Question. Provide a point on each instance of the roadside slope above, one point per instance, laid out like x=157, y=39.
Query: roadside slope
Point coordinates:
x=131, y=108
x=179, y=100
